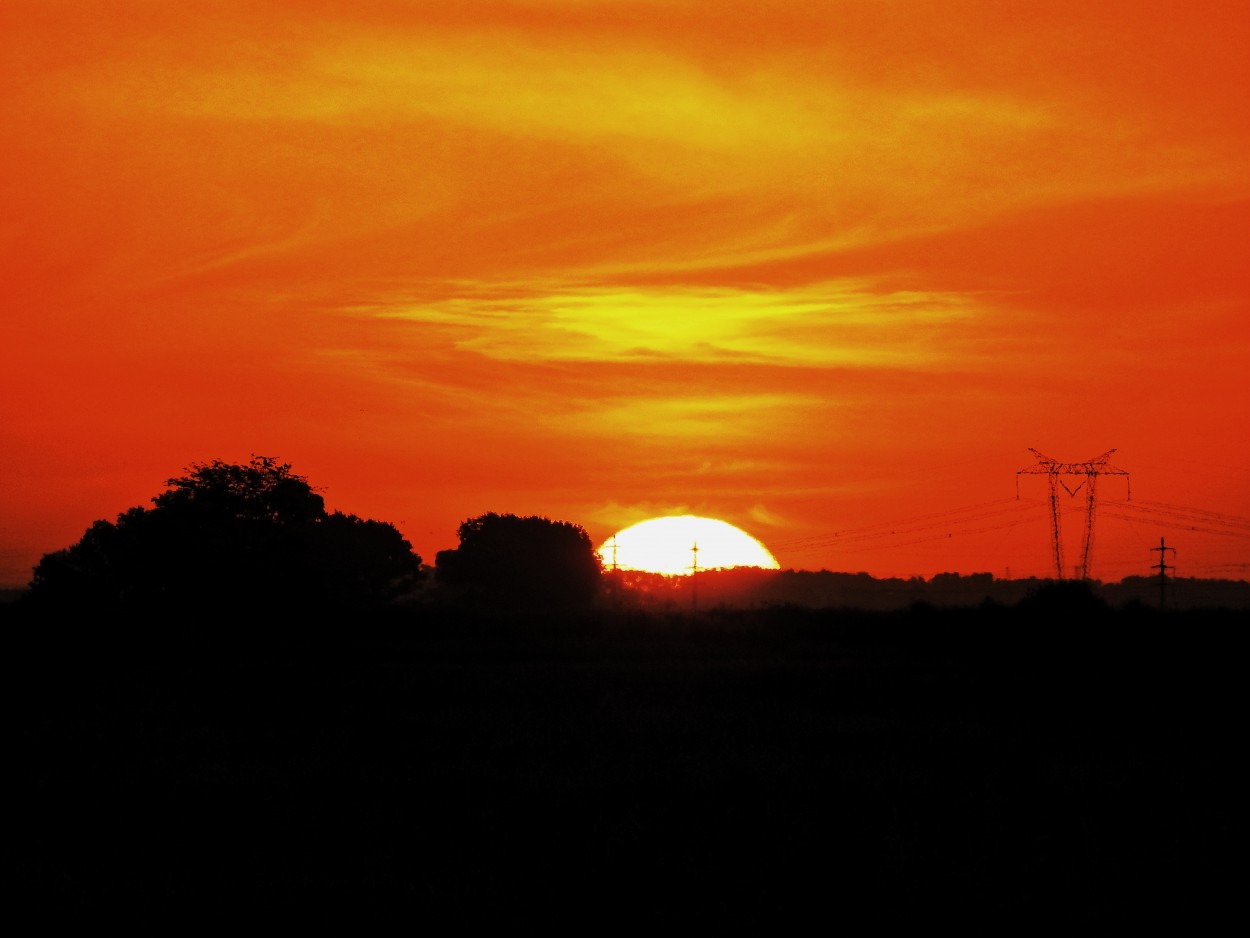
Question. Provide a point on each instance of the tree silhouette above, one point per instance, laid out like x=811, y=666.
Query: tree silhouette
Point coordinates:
x=521, y=562
x=230, y=538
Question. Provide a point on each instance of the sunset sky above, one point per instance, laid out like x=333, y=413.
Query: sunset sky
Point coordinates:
x=826, y=271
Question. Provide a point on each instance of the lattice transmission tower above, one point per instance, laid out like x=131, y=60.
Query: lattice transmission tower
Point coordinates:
x=1088, y=472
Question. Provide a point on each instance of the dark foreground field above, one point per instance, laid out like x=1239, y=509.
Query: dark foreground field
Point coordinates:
x=764, y=769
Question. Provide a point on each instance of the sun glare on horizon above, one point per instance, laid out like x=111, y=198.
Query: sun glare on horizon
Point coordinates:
x=680, y=544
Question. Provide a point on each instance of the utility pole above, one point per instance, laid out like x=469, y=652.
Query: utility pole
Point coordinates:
x=1088, y=472
x=1162, y=567
x=614, y=585
x=694, y=575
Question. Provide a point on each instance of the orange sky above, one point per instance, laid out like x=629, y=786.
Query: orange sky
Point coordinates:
x=825, y=271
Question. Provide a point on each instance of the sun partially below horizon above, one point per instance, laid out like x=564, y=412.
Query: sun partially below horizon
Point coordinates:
x=679, y=545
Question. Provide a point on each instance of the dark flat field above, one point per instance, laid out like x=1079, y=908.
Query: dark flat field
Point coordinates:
x=767, y=769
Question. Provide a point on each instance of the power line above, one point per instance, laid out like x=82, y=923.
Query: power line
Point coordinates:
x=1008, y=513
x=903, y=526
x=1146, y=517
x=1230, y=525
x=948, y=535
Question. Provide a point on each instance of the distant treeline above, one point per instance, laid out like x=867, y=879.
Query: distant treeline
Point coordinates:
x=752, y=587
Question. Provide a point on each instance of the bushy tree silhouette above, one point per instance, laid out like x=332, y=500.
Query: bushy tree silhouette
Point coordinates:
x=1070, y=600
x=521, y=562
x=233, y=539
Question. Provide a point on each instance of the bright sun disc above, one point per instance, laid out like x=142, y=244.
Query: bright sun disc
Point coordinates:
x=667, y=545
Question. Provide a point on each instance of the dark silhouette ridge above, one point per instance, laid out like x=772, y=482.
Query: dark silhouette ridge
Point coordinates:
x=514, y=746
x=459, y=765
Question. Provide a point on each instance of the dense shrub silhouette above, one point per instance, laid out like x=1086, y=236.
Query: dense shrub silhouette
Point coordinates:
x=230, y=538
x=515, y=562
x=1070, y=599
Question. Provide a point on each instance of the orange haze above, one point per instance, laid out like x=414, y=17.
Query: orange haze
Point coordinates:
x=823, y=270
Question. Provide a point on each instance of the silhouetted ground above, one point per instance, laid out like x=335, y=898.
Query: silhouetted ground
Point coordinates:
x=772, y=768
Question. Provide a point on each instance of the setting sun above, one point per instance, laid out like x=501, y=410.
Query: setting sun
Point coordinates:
x=681, y=544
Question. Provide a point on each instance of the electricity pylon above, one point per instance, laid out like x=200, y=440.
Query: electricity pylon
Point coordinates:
x=1088, y=472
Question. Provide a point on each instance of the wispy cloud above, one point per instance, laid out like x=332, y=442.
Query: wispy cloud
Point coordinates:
x=843, y=324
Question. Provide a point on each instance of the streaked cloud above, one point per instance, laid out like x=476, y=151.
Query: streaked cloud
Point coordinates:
x=842, y=324
x=816, y=147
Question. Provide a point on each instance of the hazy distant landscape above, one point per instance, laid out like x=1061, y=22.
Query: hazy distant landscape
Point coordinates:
x=746, y=588
x=824, y=589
